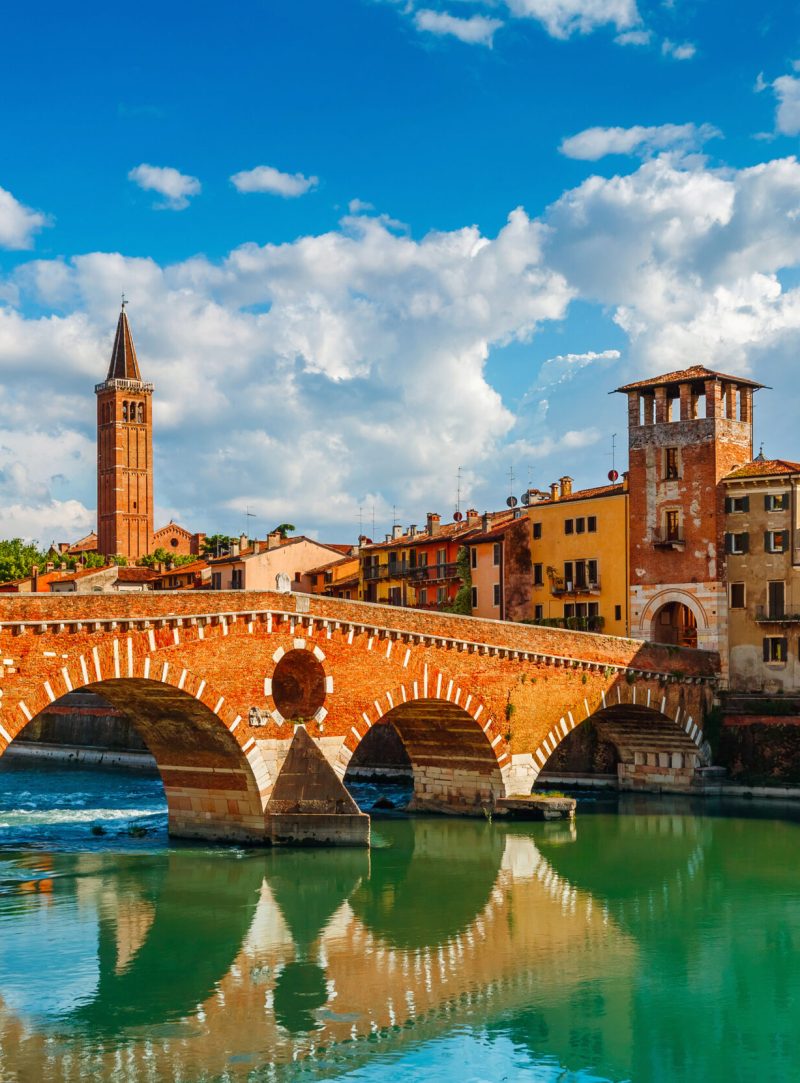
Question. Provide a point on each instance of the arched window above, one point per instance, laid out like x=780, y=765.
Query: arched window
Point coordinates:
x=124, y=411
x=140, y=413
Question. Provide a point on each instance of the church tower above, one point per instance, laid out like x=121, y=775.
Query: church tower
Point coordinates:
x=124, y=453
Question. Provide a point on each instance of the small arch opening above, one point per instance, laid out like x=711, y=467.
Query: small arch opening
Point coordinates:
x=675, y=624
x=298, y=685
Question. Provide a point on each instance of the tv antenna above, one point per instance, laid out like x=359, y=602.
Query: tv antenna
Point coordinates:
x=458, y=491
x=613, y=475
x=248, y=515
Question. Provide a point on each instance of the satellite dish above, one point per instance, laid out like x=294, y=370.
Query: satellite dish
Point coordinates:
x=458, y=516
x=512, y=502
x=525, y=499
x=613, y=475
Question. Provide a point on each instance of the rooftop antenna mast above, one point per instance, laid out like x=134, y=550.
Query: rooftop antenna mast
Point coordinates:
x=124, y=301
x=613, y=475
x=248, y=515
x=360, y=521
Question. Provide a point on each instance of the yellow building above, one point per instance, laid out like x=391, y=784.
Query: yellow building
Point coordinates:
x=579, y=553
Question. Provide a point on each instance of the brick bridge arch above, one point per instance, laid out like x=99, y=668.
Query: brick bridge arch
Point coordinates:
x=658, y=740
x=216, y=782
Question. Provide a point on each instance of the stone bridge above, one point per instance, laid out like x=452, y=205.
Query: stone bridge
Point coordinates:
x=253, y=703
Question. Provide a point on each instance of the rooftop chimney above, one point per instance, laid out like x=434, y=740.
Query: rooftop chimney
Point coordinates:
x=274, y=539
x=243, y=541
x=397, y=531
x=554, y=490
x=566, y=485
x=472, y=516
x=433, y=523
x=387, y=537
x=485, y=522
x=412, y=530
x=234, y=548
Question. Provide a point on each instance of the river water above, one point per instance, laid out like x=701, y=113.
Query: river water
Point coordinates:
x=652, y=940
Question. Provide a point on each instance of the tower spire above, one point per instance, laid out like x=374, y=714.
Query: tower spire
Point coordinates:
x=124, y=364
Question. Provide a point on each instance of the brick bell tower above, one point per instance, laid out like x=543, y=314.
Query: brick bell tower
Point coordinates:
x=686, y=431
x=124, y=453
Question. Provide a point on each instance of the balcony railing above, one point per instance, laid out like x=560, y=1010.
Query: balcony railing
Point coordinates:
x=668, y=539
x=429, y=573
x=559, y=586
x=766, y=614
x=124, y=385
x=574, y=624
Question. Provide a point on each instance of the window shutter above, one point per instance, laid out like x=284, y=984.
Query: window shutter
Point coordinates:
x=767, y=542
x=745, y=503
x=728, y=504
x=766, y=502
x=729, y=543
x=784, y=645
x=785, y=501
x=745, y=539
x=765, y=647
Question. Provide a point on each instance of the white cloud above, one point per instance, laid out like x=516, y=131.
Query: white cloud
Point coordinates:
x=562, y=18
x=266, y=179
x=634, y=37
x=18, y=223
x=475, y=30
x=787, y=114
x=362, y=349
x=176, y=188
x=359, y=206
x=595, y=143
x=683, y=51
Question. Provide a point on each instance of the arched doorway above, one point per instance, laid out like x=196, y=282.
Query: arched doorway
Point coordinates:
x=676, y=624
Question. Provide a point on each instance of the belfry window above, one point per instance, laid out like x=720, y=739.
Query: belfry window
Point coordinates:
x=140, y=413
x=124, y=411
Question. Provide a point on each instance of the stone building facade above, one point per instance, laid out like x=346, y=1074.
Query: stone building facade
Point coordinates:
x=686, y=431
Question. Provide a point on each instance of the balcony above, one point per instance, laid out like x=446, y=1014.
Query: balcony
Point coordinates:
x=559, y=586
x=430, y=573
x=573, y=624
x=124, y=385
x=669, y=539
x=775, y=615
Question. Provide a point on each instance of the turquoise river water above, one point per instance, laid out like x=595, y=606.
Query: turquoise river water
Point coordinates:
x=652, y=940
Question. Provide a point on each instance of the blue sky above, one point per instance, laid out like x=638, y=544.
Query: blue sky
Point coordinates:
x=313, y=354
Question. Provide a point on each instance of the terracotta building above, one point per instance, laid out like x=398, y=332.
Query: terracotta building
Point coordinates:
x=257, y=565
x=124, y=453
x=500, y=568
x=763, y=570
x=687, y=430
x=579, y=555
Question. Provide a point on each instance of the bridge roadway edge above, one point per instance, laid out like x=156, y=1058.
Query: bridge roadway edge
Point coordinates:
x=517, y=689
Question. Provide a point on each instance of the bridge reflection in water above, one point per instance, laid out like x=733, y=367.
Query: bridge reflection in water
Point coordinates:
x=589, y=949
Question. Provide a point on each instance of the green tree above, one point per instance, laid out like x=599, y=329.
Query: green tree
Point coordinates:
x=462, y=603
x=217, y=545
x=18, y=557
x=283, y=529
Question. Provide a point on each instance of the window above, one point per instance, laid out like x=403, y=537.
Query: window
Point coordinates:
x=594, y=609
x=473, y=557
x=580, y=525
x=591, y=524
x=496, y=554
x=617, y=612
x=580, y=574
x=537, y=531
x=776, y=502
x=422, y=596
x=776, y=593
x=237, y=578
x=216, y=580
x=497, y=595
x=737, y=503
x=671, y=470
x=569, y=526
x=775, y=649
x=140, y=413
x=569, y=610
x=395, y=596
x=591, y=571
x=538, y=577
x=581, y=609
x=173, y=542
x=569, y=577
x=441, y=595
x=474, y=597
x=776, y=541
x=538, y=612
x=672, y=525
x=124, y=411
x=441, y=556
x=737, y=543
x=737, y=596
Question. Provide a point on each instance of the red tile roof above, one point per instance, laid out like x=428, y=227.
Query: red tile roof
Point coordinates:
x=696, y=372
x=763, y=468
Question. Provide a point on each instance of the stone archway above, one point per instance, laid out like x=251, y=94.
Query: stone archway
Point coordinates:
x=211, y=787
x=675, y=624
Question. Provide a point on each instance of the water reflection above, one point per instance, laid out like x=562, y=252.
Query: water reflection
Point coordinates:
x=648, y=947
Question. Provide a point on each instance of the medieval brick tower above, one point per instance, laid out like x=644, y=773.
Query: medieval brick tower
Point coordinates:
x=686, y=431
x=124, y=453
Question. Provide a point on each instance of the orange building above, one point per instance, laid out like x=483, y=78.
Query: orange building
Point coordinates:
x=124, y=453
